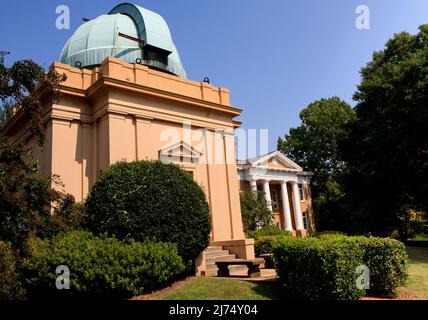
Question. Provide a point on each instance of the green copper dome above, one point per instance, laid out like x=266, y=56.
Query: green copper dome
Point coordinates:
x=97, y=39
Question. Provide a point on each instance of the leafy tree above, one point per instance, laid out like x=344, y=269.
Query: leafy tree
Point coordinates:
x=10, y=286
x=5, y=113
x=255, y=211
x=25, y=195
x=22, y=85
x=314, y=145
x=387, y=148
x=66, y=216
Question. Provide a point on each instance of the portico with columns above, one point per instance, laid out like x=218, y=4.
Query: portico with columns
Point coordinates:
x=286, y=187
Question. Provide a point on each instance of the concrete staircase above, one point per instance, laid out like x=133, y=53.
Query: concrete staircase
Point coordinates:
x=214, y=253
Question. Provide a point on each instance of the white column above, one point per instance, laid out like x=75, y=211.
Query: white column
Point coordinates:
x=253, y=184
x=266, y=189
x=288, y=226
x=296, y=203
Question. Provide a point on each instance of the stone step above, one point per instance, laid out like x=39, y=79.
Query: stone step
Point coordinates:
x=211, y=267
x=219, y=253
x=214, y=248
x=211, y=273
x=223, y=257
x=226, y=257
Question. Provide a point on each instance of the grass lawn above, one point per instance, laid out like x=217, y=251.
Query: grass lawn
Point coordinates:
x=417, y=284
x=420, y=237
x=225, y=289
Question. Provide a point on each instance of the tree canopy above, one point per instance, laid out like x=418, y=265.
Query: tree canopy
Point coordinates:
x=314, y=145
x=25, y=195
x=19, y=87
x=370, y=163
x=255, y=211
x=387, y=148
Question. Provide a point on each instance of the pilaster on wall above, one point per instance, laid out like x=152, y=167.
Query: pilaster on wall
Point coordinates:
x=71, y=146
x=121, y=137
x=95, y=150
x=87, y=163
x=47, y=152
x=223, y=184
x=233, y=186
x=142, y=138
x=103, y=144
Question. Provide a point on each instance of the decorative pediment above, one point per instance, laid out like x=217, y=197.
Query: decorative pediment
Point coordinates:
x=179, y=152
x=276, y=160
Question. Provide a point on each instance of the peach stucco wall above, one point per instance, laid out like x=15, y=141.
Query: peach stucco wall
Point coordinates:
x=129, y=112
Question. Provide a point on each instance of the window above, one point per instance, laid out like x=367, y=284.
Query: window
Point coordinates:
x=305, y=220
x=302, y=192
x=155, y=57
x=274, y=198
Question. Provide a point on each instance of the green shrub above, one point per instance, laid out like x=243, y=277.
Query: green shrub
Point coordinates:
x=417, y=227
x=325, y=267
x=265, y=239
x=25, y=195
x=264, y=244
x=420, y=237
x=328, y=234
x=67, y=216
x=270, y=230
x=315, y=269
x=150, y=200
x=255, y=211
x=99, y=266
x=9, y=284
x=387, y=262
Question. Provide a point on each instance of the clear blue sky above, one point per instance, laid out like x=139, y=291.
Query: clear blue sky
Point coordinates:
x=276, y=56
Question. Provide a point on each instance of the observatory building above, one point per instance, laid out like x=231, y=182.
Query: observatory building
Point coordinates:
x=127, y=98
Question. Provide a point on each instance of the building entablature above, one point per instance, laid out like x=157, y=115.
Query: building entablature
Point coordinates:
x=134, y=77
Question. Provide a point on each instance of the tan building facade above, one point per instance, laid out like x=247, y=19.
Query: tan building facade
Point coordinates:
x=129, y=100
x=128, y=112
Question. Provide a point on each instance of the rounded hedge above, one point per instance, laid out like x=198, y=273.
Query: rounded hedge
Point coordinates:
x=314, y=269
x=387, y=262
x=329, y=234
x=99, y=266
x=325, y=267
x=150, y=200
